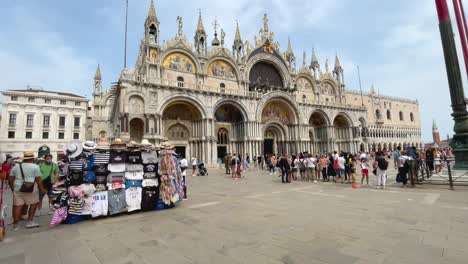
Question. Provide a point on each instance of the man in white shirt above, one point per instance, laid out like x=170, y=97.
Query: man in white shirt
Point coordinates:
x=402, y=169
x=310, y=164
x=341, y=167
x=194, y=165
x=183, y=168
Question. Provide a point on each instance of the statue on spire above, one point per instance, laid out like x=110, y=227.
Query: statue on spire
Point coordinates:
x=180, y=25
x=265, y=23
x=326, y=66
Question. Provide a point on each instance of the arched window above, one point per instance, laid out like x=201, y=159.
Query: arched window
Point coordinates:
x=401, y=116
x=222, y=136
x=377, y=114
x=222, y=86
x=180, y=81
x=411, y=117
x=389, y=115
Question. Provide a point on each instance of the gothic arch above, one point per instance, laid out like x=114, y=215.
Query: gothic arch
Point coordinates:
x=137, y=129
x=332, y=84
x=347, y=116
x=278, y=127
x=319, y=114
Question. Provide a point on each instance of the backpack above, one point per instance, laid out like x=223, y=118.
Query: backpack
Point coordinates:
x=383, y=164
x=302, y=166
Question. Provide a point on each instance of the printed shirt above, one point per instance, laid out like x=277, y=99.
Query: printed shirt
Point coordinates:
x=100, y=205
x=76, y=164
x=133, y=198
x=149, y=157
x=101, y=157
x=117, y=202
x=118, y=156
x=150, y=196
x=310, y=162
x=134, y=157
x=31, y=171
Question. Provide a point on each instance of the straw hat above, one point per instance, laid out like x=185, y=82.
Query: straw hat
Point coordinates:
x=118, y=144
x=89, y=145
x=145, y=142
x=73, y=149
x=166, y=146
x=27, y=155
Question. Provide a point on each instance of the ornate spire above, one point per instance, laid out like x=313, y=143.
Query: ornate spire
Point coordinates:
x=238, y=35
x=289, y=46
x=337, y=64
x=314, y=64
x=372, y=89
x=215, y=41
x=152, y=12
x=97, y=76
x=304, y=59
x=200, y=27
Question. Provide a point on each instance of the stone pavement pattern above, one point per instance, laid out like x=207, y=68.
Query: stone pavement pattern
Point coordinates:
x=259, y=220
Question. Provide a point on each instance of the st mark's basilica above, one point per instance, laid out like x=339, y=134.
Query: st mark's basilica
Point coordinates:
x=208, y=100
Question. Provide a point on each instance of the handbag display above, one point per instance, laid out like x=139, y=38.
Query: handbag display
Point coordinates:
x=26, y=187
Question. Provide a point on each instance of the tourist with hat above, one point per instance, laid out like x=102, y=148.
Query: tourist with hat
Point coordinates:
x=25, y=179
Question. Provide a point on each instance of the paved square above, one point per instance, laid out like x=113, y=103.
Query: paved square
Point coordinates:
x=259, y=220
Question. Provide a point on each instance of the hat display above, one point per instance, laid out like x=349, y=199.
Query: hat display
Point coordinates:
x=89, y=145
x=27, y=155
x=103, y=144
x=73, y=149
x=166, y=146
x=145, y=142
x=118, y=144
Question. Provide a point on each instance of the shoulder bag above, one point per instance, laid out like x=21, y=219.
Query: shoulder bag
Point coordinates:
x=26, y=187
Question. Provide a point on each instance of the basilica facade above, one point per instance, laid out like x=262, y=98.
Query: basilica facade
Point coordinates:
x=208, y=99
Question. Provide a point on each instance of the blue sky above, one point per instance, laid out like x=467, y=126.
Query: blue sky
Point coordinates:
x=57, y=44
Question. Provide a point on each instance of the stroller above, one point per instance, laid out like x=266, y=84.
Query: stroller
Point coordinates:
x=202, y=171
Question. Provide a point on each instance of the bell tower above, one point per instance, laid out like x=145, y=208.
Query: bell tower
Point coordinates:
x=97, y=82
x=152, y=26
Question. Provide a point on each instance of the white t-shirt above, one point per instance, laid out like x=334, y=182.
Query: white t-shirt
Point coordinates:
x=100, y=205
x=341, y=162
x=194, y=162
x=134, y=175
x=310, y=162
x=364, y=166
x=184, y=163
x=88, y=206
x=363, y=156
x=133, y=198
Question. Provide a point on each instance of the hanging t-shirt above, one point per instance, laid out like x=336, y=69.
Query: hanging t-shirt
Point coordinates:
x=101, y=169
x=116, y=201
x=101, y=157
x=150, y=196
x=77, y=164
x=88, y=163
x=75, y=177
x=134, y=167
x=118, y=156
x=153, y=167
x=132, y=183
x=134, y=157
x=75, y=206
x=116, y=167
x=150, y=183
x=101, y=179
x=116, y=177
x=100, y=206
x=133, y=198
x=134, y=175
x=149, y=157
x=87, y=206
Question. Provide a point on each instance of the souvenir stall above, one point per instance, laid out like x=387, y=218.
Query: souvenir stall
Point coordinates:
x=102, y=179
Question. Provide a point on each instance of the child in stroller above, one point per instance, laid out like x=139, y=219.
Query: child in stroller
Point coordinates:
x=202, y=171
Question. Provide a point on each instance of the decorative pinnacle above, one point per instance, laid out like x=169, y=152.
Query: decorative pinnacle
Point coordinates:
x=200, y=27
x=152, y=11
x=97, y=76
x=337, y=62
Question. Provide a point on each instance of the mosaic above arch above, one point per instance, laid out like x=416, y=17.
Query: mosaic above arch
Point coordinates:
x=179, y=62
x=277, y=111
x=219, y=68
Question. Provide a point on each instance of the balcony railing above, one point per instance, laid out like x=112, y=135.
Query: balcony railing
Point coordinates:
x=221, y=90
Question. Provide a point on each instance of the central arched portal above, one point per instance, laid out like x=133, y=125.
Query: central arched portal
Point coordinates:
x=230, y=128
x=278, y=116
x=182, y=124
x=273, y=140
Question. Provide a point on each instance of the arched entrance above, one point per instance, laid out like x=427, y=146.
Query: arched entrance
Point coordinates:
x=343, y=134
x=264, y=76
x=182, y=124
x=230, y=117
x=318, y=123
x=274, y=140
x=136, y=129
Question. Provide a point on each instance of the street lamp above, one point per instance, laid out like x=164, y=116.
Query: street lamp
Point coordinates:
x=460, y=115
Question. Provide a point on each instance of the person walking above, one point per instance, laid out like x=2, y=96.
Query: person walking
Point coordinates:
x=49, y=174
x=272, y=165
x=341, y=168
x=194, y=163
x=365, y=171
x=396, y=156
x=331, y=173
x=403, y=168
x=324, y=162
x=302, y=166
x=260, y=162
x=227, y=163
x=6, y=168
x=246, y=163
x=294, y=167
x=183, y=169
x=25, y=180
x=382, y=166
x=310, y=162
x=284, y=167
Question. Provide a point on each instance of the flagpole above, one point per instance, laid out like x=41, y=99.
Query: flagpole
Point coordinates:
x=360, y=85
x=126, y=22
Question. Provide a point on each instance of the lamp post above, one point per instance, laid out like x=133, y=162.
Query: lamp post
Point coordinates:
x=460, y=115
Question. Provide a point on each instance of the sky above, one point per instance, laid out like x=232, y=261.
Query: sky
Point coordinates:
x=56, y=44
